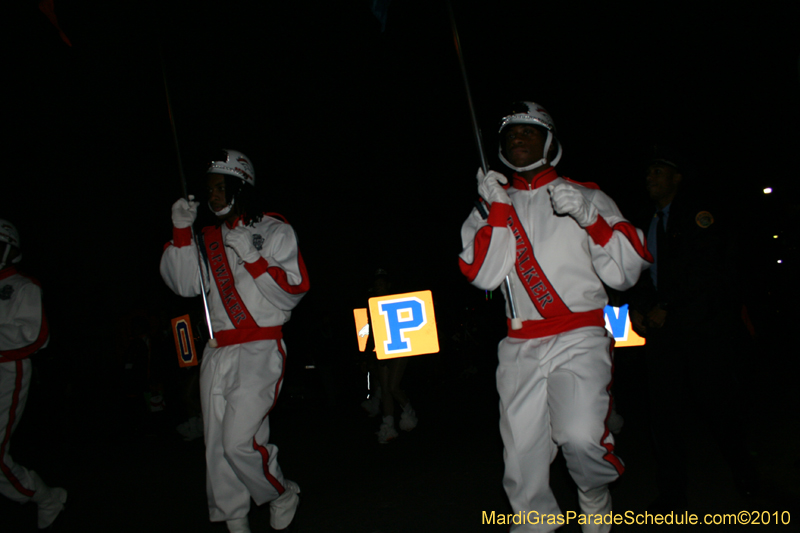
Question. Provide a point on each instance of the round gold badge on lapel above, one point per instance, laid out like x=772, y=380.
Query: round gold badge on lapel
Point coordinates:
x=704, y=219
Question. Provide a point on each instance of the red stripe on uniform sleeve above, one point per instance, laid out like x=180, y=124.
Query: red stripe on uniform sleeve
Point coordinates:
x=627, y=229
x=498, y=215
x=600, y=231
x=279, y=275
x=181, y=237
x=256, y=268
x=480, y=247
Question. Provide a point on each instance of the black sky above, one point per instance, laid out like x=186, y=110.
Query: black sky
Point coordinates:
x=362, y=138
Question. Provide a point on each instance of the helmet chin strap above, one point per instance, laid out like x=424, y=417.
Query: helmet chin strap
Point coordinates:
x=5, y=256
x=539, y=163
x=225, y=210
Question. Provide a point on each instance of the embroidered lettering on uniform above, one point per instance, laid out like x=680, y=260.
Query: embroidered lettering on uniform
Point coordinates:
x=530, y=274
x=239, y=316
x=535, y=282
x=6, y=292
x=226, y=286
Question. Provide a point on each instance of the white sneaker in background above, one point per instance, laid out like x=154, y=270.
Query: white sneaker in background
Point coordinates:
x=408, y=420
x=387, y=431
x=191, y=429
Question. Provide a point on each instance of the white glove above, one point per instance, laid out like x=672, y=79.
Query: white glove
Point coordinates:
x=567, y=200
x=184, y=212
x=490, y=189
x=241, y=240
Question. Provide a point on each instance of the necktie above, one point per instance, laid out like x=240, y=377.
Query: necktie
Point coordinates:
x=662, y=253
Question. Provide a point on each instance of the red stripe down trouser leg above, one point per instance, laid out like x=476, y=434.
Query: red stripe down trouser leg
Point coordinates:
x=15, y=378
x=239, y=385
x=553, y=392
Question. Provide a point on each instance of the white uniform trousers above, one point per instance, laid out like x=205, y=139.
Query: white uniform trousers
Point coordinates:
x=554, y=391
x=239, y=385
x=15, y=379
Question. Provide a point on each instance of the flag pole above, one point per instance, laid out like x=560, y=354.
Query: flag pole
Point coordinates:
x=516, y=323
x=185, y=191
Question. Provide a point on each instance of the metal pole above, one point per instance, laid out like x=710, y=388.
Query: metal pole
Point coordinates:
x=186, y=195
x=516, y=323
x=475, y=129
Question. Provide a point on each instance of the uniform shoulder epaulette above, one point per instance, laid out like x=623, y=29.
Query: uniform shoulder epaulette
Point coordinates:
x=277, y=216
x=587, y=184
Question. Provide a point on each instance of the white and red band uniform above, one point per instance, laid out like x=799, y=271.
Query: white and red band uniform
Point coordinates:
x=23, y=332
x=554, y=374
x=248, y=304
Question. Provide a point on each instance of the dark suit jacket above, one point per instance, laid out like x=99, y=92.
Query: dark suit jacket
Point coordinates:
x=697, y=276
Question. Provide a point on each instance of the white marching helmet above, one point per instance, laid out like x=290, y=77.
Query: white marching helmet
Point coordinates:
x=232, y=163
x=535, y=115
x=10, y=236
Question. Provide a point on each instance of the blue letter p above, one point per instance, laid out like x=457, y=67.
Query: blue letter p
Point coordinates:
x=406, y=314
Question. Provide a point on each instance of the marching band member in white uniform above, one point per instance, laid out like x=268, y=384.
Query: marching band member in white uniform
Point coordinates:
x=254, y=276
x=558, y=241
x=23, y=332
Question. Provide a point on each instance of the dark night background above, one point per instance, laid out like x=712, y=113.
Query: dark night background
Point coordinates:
x=362, y=139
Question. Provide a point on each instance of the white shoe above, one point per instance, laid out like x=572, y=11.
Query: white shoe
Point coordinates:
x=593, y=502
x=387, y=431
x=196, y=429
x=408, y=420
x=282, y=510
x=238, y=525
x=49, y=500
x=191, y=429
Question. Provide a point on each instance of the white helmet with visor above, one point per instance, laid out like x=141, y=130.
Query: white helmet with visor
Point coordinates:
x=232, y=163
x=10, y=236
x=535, y=115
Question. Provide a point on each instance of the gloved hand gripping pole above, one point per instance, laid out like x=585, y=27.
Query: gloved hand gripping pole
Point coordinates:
x=516, y=323
x=212, y=342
